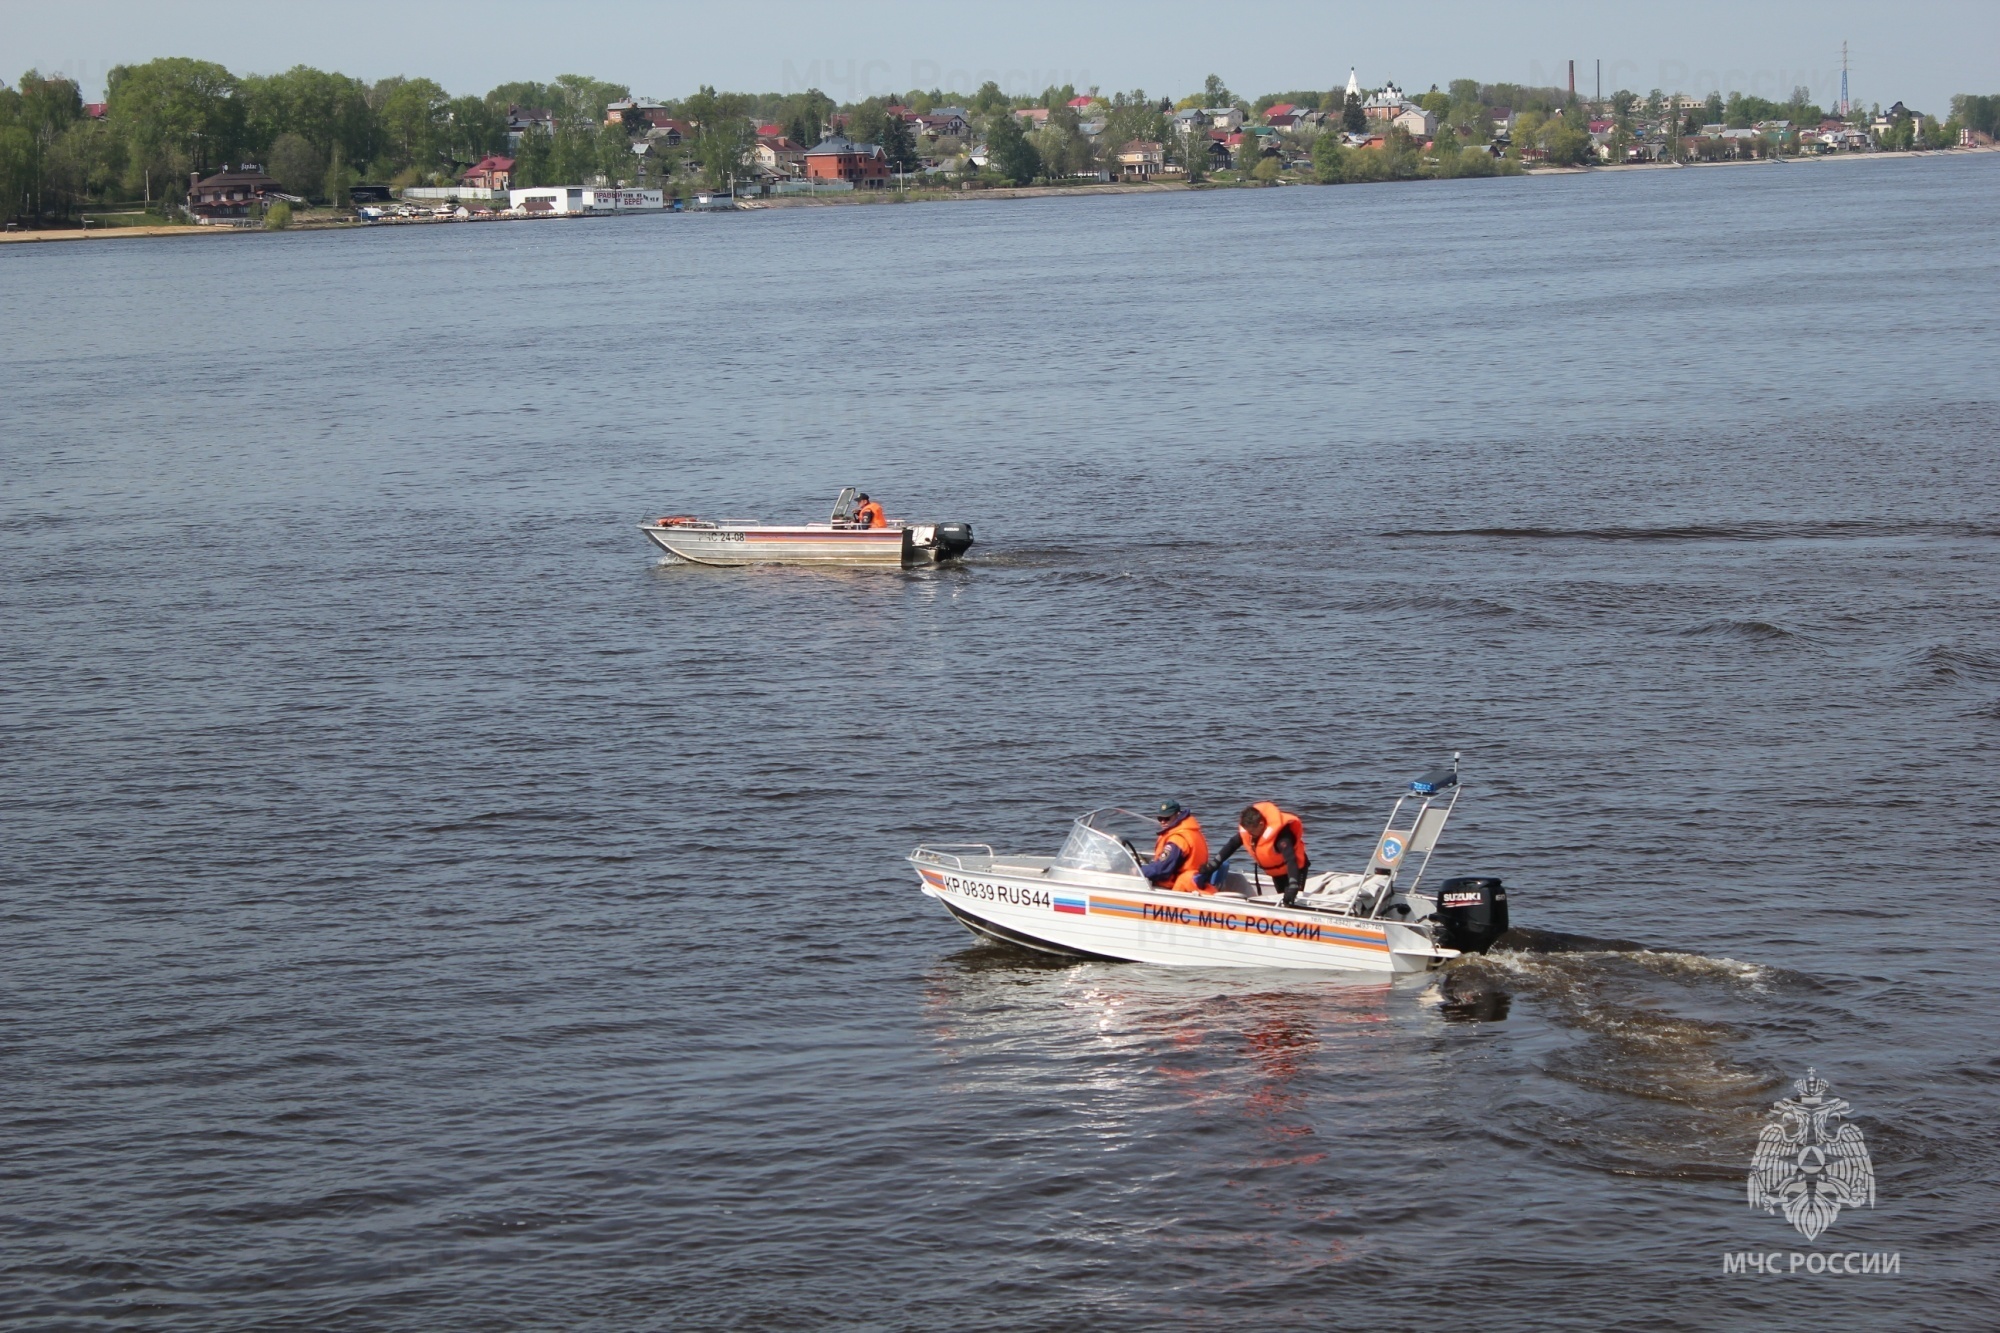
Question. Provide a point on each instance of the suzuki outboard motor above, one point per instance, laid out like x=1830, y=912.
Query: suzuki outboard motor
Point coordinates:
x=953, y=540
x=1471, y=913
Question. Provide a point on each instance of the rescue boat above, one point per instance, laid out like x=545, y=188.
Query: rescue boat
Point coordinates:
x=1090, y=901
x=838, y=541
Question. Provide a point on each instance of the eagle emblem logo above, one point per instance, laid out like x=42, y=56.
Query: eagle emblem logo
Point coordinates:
x=1807, y=1165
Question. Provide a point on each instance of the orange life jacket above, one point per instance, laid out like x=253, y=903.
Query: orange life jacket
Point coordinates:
x=870, y=515
x=1264, y=847
x=1187, y=836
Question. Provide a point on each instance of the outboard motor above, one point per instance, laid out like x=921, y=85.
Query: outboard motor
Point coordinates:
x=1471, y=913
x=952, y=540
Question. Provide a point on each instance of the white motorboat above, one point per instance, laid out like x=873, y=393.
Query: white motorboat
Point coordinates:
x=838, y=541
x=1090, y=901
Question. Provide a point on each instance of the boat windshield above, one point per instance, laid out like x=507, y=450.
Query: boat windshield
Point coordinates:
x=1105, y=841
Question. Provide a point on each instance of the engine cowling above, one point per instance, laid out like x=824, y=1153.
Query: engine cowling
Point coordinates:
x=951, y=540
x=1471, y=913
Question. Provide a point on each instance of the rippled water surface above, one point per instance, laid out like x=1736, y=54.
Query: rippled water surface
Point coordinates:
x=421, y=908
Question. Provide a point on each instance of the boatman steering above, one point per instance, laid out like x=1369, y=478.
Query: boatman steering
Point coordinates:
x=1276, y=841
x=1180, y=852
x=869, y=514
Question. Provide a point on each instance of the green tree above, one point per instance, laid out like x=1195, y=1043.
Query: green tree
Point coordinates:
x=296, y=164
x=805, y=116
x=1352, y=118
x=1366, y=164
x=84, y=165
x=1267, y=170
x=584, y=99
x=572, y=153
x=1444, y=150
x=473, y=129
x=988, y=99
x=533, y=159
x=326, y=110
x=176, y=116
x=723, y=135
x=340, y=178
x=1132, y=116
x=867, y=121
x=615, y=161
x=414, y=121
x=45, y=108
x=278, y=216
x=1215, y=92
x=1062, y=148
x=1329, y=159
x=1008, y=150
x=1403, y=159
x=900, y=146
x=1981, y=114
x=1569, y=144
x=17, y=152
x=1712, y=109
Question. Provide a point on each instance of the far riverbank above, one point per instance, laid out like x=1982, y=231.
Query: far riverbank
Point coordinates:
x=880, y=197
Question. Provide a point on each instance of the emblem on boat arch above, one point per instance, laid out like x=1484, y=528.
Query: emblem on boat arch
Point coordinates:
x=1808, y=1166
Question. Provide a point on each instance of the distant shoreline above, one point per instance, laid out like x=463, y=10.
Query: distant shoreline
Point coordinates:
x=881, y=197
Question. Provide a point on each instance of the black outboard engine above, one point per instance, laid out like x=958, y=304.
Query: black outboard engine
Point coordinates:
x=953, y=540
x=1471, y=913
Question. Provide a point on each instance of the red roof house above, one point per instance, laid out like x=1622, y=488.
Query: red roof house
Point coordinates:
x=488, y=173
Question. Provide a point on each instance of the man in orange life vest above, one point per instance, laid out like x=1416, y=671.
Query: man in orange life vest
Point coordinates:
x=869, y=515
x=1276, y=840
x=1180, y=852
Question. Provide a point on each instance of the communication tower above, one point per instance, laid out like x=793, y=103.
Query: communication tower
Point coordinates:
x=1846, y=109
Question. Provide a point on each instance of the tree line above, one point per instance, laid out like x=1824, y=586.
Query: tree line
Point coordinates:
x=320, y=133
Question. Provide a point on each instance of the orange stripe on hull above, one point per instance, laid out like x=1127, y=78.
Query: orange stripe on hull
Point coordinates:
x=1203, y=917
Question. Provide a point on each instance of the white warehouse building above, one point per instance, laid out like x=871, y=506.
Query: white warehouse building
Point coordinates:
x=575, y=200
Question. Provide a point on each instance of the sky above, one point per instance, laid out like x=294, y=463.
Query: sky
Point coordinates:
x=1916, y=51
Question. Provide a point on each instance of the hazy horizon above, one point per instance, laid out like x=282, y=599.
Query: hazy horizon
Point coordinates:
x=850, y=50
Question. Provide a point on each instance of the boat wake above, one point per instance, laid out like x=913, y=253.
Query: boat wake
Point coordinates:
x=1748, y=530
x=1651, y=1079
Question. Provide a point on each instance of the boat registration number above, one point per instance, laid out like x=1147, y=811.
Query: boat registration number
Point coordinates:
x=1003, y=893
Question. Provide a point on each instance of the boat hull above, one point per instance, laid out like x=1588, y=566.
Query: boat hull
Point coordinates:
x=1149, y=925
x=810, y=545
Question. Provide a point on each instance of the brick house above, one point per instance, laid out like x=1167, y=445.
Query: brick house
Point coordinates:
x=838, y=158
x=489, y=173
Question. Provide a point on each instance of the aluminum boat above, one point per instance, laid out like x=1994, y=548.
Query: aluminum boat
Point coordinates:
x=1090, y=901
x=838, y=541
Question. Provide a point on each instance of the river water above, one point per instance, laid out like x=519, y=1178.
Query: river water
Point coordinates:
x=420, y=907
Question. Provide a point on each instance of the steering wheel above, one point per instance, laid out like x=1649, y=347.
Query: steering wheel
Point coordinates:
x=1136, y=858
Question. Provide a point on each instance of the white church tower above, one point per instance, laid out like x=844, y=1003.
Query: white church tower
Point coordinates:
x=1353, y=84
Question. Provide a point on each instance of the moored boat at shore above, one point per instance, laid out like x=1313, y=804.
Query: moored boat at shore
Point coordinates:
x=841, y=540
x=1090, y=901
